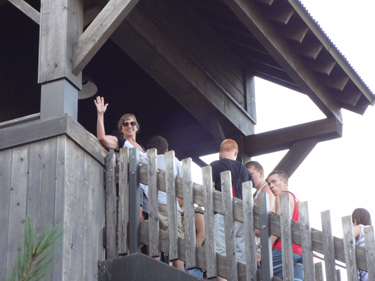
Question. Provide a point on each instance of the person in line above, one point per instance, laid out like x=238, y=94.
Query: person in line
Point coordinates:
x=361, y=218
x=257, y=172
x=228, y=154
x=124, y=137
x=161, y=146
x=278, y=183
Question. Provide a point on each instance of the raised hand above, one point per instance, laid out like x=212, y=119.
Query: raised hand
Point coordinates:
x=100, y=106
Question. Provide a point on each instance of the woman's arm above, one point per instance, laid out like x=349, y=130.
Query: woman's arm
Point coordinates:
x=356, y=231
x=107, y=140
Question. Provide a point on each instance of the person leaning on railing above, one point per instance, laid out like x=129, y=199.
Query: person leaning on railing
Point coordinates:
x=278, y=183
x=125, y=137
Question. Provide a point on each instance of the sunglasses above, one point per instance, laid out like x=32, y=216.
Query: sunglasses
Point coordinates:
x=126, y=123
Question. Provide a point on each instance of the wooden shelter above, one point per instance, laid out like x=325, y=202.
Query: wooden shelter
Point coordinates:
x=185, y=68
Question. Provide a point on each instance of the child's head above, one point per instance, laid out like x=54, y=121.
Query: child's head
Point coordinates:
x=361, y=216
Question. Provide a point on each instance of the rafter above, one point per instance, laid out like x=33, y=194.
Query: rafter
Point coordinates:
x=99, y=31
x=284, y=138
x=249, y=13
x=27, y=10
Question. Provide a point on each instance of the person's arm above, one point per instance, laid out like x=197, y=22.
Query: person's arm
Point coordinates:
x=271, y=197
x=107, y=140
x=199, y=227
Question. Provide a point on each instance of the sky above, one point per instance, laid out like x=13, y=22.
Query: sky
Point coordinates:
x=337, y=174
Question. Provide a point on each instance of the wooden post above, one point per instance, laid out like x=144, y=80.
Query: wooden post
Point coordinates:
x=123, y=204
x=265, y=236
x=60, y=27
x=328, y=247
x=208, y=198
x=110, y=199
x=153, y=203
x=189, y=215
x=170, y=183
x=230, y=242
x=349, y=248
x=134, y=201
x=307, y=253
x=286, y=238
x=370, y=251
x=249, y=228
x=319, y=271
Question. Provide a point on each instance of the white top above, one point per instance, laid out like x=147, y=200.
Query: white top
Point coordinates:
x=143, y=159
x=162, y=196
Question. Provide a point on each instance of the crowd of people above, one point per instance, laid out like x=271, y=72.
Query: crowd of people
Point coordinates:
x=274, y=185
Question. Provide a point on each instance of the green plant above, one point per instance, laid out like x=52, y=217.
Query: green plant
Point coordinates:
x=34, y=262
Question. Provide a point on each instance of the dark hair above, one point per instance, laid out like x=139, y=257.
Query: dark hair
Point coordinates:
x=254, y=164
x=362, y=216
x=282, y=175
x=159, y=143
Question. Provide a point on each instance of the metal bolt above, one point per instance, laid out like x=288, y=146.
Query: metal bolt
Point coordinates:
x=263, y=226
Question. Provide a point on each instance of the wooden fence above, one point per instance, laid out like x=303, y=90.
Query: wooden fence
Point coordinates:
x=124, y=214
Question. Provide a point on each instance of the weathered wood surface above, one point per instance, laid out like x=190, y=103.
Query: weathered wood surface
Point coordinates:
x=349, y=248
x=208, y=204
x=54, y=181
x=123, y=204
x=153, y=216
x=189, y=214
x=110, y=210
x=265, y=235
x=28, y=10
x=328, y=248
x=286, y=238
x=307, y=253
x=42, y=129
x=370, y=251
x=319, y=271
x=229, y=225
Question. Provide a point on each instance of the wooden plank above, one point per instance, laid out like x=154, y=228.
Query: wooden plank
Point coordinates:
x=18, y=199
x=217, y=130
x=5, y=186
x=265, y=236
x=250, y=95
x=102, y=27
x=249, y=228
x=63, y=204
x=134, y=200
x=284, y=138
x=319, y=271
x=370, y=251
x=189, y=214
x=230, y=239
x=328, y=247
x=78, y=201
x=279, y=12
x=59, y=30
x=295, y=30
x=349, y=248
x=42, y=129
x=335, y=80
x=207, y=190
x=23, y=119
x=123, y=203
x=90, y=14
x=27, y=10
x=153, y=215
x=307, y=253
x=338, y=275
x=262, y=29
x=296, y=155
x=170, y=185
x=323, y=64
x=286, y=239
x=110, y=195
x=99, y=213
x=309, y=48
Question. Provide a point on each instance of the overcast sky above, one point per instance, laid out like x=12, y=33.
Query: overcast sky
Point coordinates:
x=338, y=174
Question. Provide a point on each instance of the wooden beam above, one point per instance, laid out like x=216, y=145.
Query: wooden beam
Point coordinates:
x=196, y=89
x=310, y=47
x=281, y=139
x=99, y=31
x=251, y=16
x=90, y=14
x=296, y=155
x=295, y=30
x=279, y=12
x=27, y=9
x=217, y=130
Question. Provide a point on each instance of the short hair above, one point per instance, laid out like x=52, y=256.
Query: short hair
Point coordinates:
x=362, y=216
x=124, y=117
x=282, y=175
x=254, y=164
x=159, y=143
x=228, y=145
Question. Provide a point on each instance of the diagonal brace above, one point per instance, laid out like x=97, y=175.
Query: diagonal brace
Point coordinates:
x=27, y=9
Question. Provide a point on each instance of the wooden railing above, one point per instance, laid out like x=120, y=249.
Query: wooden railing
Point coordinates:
x=126, y=209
